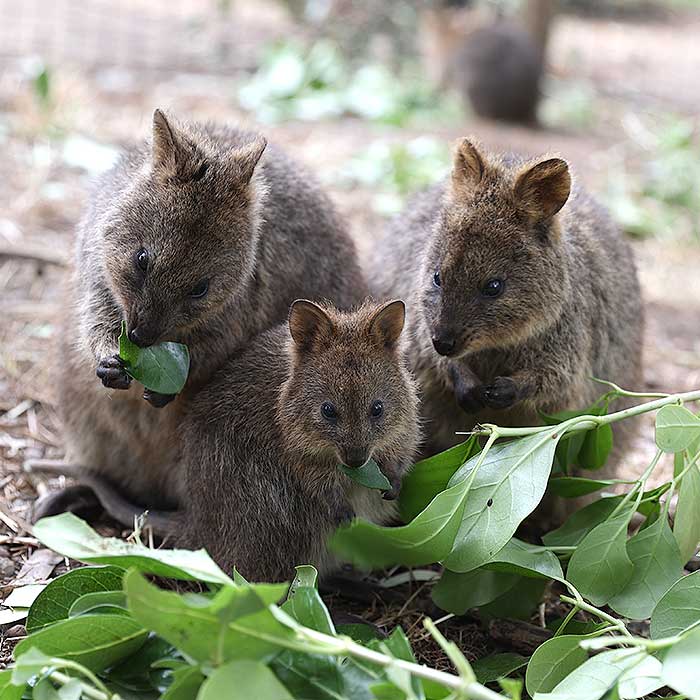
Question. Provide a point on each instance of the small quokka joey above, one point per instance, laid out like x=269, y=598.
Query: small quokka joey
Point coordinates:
x=264, y=440
x=203, y=235
x=523, y=289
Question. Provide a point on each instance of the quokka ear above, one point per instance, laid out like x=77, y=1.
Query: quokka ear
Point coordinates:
x=173, y=154
x=542, y=189
x=467, y=170
x=308, y=324
x=386, y=324
x=247, y=158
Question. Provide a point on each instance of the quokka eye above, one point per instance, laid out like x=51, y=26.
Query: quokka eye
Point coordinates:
x=141, y=258
x=493, y=288
x=200, y=289
x=436, y=278
x=377, y=409
x=328, y=412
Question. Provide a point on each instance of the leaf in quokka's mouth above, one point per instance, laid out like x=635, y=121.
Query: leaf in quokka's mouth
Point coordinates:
x=162, y=368
x=368, y=475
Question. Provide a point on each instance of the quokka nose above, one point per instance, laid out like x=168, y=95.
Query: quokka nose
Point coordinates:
x=141, y=336
x=443, y=344
x=355, y=458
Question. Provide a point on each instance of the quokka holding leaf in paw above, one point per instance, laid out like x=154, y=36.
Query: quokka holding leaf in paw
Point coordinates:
x=269, y=443
x=522, y=289
x=202, y=236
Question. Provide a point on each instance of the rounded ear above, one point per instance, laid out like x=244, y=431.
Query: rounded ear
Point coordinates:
x=386, y=324
x=542, y=189
x=247, y=157
x=467, y=170
x=308, y=323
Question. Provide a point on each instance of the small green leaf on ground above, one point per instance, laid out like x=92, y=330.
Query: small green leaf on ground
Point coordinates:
x=162, y=368
x=676, y=428
x=457, y=593
x=368, y=475
x=491, y=668
x=678, y=609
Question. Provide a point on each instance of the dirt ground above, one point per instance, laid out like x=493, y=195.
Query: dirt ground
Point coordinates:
x=112, y=65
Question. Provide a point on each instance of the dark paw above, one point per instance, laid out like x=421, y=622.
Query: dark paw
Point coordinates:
x=79, y=500
x=503, y=393
x=112, y=373
x=469, y=401
x=393, y=493
x=158, y=400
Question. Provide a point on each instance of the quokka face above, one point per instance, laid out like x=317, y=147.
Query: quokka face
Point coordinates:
x=349, y=396
x=494, y=270
x=183, y=241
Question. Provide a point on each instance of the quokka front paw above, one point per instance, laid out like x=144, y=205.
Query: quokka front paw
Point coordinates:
x=112, y=373
x=158, y=400
x=502, y=393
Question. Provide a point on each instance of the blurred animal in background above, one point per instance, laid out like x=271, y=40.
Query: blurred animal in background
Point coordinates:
x=495, y=62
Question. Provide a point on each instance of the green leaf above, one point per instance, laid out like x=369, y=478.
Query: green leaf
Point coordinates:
x=430, y=476
x=686, y=524
x=162, y=368
x=578, y=525
x=491, y=668
x=457, y=593
x=112, y=602
x=676, y=428
x=243, y=680
x=526, y=559
x=425, y=540
x=678, y=609
x=518, y=603
x=575, y=486
x=186, y=684
x=128, y=351
x=31, y=663
x=44, y=690
x=9, y=691
x=657, y=566
x=55, y=601
x=306, y=576
x=72, y=537
x=507, y=487
x=95, y=641
x=680, y=666
x=307, y=608
x=139, y=673
x=596, y=448
x=593, y=679
x=235, y=623
x=600, y=567
x=553, y=661
x=368, y=475
x=641, y=680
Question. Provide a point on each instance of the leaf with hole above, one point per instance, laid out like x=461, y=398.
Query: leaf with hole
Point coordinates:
x=678, y=609
x=676, y=428
x=74, y=538
x=600, y=567
x=162, y=368
x=657, y=566
x=507, y=487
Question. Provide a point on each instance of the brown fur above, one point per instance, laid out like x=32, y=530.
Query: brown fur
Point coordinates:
x=261, y=461
x=571, y=308
x=208, y=203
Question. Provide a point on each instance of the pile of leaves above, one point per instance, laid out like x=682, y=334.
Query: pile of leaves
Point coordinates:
x=108, y=632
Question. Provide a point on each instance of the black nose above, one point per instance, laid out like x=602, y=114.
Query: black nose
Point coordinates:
x=355, y=458
x=443, y=344
x=143, y=337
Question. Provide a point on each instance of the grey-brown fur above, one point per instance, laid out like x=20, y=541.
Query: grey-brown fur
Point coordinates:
x=571, y=307
x=261, y=461
x=196, y=197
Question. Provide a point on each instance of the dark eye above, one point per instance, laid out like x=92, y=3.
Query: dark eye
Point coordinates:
x=493, y=288
x=201, y=171
x=142, y=259
x=436, y=278
x=328, y=411
x=200, y=289
x=377, y=409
